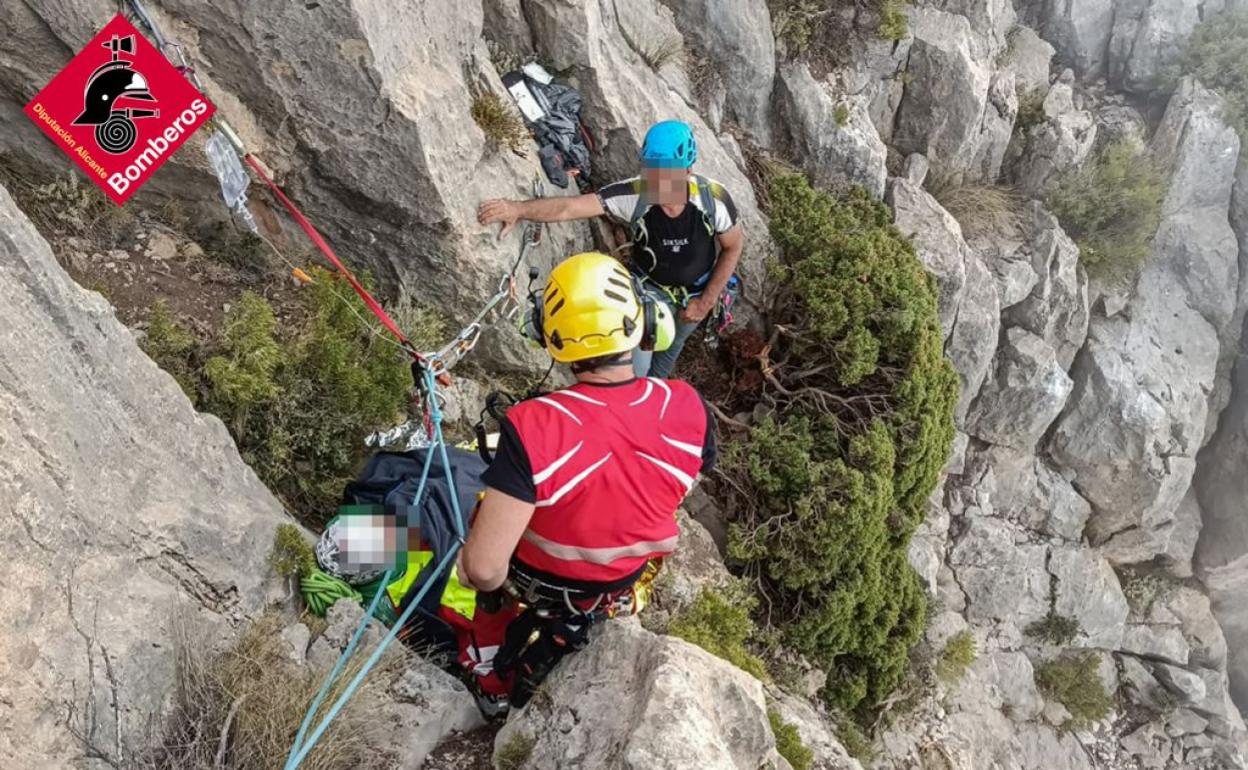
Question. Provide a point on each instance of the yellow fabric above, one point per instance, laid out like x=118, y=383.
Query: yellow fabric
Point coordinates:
x=457, y=596
x=588, y=307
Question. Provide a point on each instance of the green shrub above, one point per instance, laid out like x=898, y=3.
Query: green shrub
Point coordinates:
x=831, y=486
x=300, y=404
x=242, y=377
x=291, y=556
x=515, y=752
x=1216, y=53
x=1030, y=111
x=172, y=347
x=1144, y=589
x=1111, y=206
x=793, y=24
x=499, y=121
x=1055, y=629
x=894, y=25
x=1075, y=682
x=719, y=622
x=958, y=655
x=789, y=742
x=855, y=741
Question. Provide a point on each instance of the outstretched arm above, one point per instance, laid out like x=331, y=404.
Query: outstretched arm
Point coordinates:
x=496, y=531
x=538, y=210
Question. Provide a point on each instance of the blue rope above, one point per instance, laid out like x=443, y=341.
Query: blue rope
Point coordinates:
x=341, y=663
x=299, y=751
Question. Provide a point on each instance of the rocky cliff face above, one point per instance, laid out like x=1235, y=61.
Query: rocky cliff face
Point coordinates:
x=125, y=512
x=1097, y=475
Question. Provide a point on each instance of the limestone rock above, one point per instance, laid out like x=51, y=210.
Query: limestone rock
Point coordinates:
x=1189, y=686
x=634, y=700
x=1087, y=589
x=504, y=26
x=1024, y=394
x=1001, y=579
x=120, y=502
x=736, y=38
x=428, y=706
x=1029, y=57
x=938, y=242
x=816, y=731
x=695, y=564
x=1061, y=142
x=1140, y=406
x=1056, y=308
x=837, y=152
x=974, y=337
x=952, y=76
x=1079, y=31
x=1194, y=613
x=1156, y=642
x=1147, y=36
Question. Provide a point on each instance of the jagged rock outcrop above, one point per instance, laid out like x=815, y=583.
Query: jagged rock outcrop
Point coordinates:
x=1060, y=142
x=833, y=137
x=1140, y=404
x=1222, y=552
x=1079, y=31
x=955, y=110
x=969, y=308
x=737, y=41
x=370, y=132
x=1022, y=396
x=123, y=508
x=635, y=700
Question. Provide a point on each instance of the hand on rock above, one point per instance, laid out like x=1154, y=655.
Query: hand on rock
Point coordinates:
x=497, y=210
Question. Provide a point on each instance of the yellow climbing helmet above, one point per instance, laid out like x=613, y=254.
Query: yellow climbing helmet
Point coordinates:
x=590, y=309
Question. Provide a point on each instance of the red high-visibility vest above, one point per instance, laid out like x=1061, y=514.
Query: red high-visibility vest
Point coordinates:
x=611, y=463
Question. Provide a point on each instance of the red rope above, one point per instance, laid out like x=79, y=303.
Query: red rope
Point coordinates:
x=316, y=238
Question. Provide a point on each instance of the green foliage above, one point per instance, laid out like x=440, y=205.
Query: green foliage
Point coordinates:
x=1111, y=207
x=841, y=113
x=832, y=485
x=1030, y=111
x=291, y=555
x=958, y=655
x=172, y=347
x=1075, y=682
x=242, y=376
x=789, y=742
x=719, y=622
x=243, y=251
x=855, y=741
x=515, y=752
x=499, y=121
x=1144, y=589
x=299, y=404
x=1216, y=53
x=894, y=25
x=793, y=24
x=1055, y=629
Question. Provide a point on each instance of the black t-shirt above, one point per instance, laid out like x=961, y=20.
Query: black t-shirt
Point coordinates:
x=512, y=474
x=672, y=251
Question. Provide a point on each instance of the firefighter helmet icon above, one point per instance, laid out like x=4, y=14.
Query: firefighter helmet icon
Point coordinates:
x=115, y=81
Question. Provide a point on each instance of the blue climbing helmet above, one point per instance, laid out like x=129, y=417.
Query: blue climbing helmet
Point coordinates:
x=669, y=144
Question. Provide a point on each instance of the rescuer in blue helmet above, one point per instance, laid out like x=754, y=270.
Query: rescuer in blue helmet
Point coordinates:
x=682, y=229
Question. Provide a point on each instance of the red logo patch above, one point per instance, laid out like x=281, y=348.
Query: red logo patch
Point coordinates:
x=119, y=109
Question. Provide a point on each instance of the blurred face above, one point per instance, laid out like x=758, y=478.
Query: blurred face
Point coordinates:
x=375, y=542
x=666, y=186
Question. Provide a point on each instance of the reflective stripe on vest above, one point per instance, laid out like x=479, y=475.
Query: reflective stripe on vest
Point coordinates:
x=600, y=555
x=458, y=597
